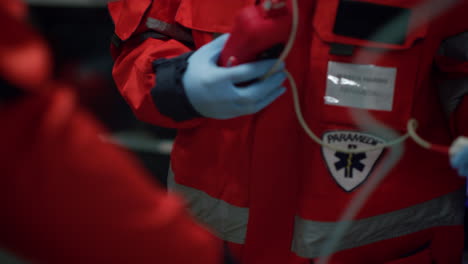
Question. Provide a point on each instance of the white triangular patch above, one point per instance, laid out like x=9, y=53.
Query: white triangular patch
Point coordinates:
x=350, y=170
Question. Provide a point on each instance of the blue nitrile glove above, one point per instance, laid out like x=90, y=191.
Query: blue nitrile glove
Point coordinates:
x=459, y=156
x=212, y=89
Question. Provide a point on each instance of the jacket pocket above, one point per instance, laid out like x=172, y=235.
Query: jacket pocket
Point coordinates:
x=209, y=15
x=375, y=72
x=207, y=18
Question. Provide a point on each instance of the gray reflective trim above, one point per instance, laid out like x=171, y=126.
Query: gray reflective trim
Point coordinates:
x=447, y=210
x=229, y=222
x=452, y=92
x=172, y=30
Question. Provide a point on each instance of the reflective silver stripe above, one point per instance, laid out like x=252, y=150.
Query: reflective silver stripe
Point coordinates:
x=229, y=222
x=172, y=30
x=446, y=210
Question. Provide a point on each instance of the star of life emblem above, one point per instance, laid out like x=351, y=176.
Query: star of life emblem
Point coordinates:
x=350, y=169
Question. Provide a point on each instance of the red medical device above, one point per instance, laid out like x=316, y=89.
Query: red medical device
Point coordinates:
x=259, y=32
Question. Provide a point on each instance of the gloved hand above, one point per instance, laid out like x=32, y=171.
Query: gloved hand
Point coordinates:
x=212, y=89
x=459, y=156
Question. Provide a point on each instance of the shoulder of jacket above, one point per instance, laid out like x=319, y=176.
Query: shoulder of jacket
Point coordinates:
x=127, y=15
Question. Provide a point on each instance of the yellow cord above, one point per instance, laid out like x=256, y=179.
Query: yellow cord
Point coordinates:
x=411, y=125
x=291, y=40
x=314, y=137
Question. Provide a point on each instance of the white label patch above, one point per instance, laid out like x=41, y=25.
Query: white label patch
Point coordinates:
x=360, y=86
x=350, y=170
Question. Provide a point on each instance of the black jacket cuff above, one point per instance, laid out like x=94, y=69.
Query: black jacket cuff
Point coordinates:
x=169, y=94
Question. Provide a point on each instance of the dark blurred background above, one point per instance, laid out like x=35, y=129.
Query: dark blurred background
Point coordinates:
x=79, y=33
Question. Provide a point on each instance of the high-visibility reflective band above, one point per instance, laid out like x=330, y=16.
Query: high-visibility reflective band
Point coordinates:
x=229, y=222
x=446, y=210
x=172, y=30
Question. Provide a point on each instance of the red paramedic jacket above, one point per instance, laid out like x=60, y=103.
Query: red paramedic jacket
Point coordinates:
x=66, y=195
x=268, y=189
